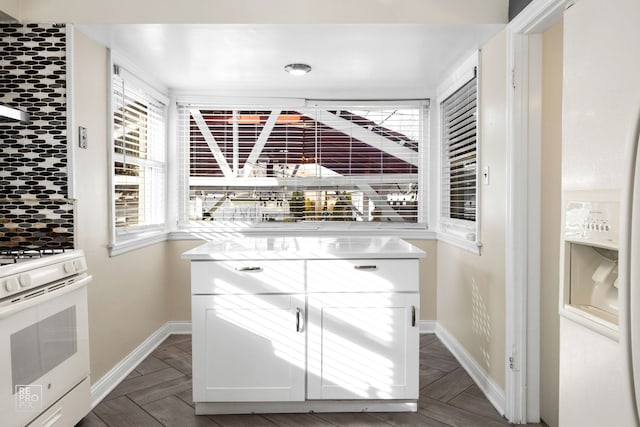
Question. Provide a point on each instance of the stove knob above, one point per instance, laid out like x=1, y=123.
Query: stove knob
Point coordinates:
x=80, y=264
x=11, y=284
x=69, y=267
x=25, y=280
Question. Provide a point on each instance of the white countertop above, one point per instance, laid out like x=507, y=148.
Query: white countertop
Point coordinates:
x=239, y=248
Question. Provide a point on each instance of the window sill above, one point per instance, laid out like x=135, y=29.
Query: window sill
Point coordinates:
x=460, y=242
x=137, y=241
x=205, y=233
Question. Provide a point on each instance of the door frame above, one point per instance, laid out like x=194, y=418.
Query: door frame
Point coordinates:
x=524, y=126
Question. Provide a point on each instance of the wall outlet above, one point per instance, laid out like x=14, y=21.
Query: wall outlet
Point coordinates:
x=83, y=141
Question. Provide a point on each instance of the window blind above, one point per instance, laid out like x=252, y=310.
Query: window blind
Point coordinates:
x=459, y=152
x=139, y=145
x=328, y=162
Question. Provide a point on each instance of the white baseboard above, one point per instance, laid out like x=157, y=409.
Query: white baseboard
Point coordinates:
x=427, y=326
x=492, y=391
x=101, y=388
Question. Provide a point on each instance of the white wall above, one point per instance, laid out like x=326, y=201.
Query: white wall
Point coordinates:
x=471, y=288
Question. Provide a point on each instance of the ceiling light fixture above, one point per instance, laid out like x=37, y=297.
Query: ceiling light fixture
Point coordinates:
x=297, y=69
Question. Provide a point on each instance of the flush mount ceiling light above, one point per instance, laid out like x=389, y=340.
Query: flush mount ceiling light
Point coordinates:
x=297, y=69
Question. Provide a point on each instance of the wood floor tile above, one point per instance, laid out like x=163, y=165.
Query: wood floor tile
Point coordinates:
x=297, y=420
x=357, y=419
x=449, y=386
x=172, y=411
x=144, y=381
x=159, y=392
x=426, y=339
x=404, y=419
x=173, y=356
x=249, y=420
x=122, y=412
x=470, y=401
x=453, y=416
x=150, y=364
x=429, y=375
x=91, y=420
x=162, y=390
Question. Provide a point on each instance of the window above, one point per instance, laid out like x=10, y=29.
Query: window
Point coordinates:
x=331, y=164
x=139, y=145
x=459, y=159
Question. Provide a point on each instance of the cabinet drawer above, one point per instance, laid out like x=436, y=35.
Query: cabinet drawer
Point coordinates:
x=362, y=275
x=247, y=277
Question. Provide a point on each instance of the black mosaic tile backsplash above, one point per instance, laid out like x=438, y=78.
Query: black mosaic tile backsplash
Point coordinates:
x=34, y=209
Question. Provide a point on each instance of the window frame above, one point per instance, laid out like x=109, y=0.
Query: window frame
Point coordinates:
x=461, y=233
x=123, y=240
x=202, y=228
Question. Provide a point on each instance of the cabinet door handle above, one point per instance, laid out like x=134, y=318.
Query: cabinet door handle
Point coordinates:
x=413, y=316
x=299, y=320
x=365, y=267
x=252, y=269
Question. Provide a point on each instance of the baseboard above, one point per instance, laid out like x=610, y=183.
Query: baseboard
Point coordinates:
x=492, y=391
x=101, y=388
x=427, y=326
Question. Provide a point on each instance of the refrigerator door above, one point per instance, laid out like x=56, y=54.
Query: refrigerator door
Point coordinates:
x=630, y=270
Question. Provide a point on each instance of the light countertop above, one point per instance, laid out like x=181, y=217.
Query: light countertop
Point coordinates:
x=239, y=248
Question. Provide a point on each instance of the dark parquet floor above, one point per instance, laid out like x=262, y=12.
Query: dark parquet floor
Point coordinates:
x=158, y=393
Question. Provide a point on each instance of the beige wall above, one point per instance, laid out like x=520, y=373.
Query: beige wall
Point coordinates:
x=471, y=288
x=128, y=295
x=11, y=8
x=267, y=12
x=550, y=213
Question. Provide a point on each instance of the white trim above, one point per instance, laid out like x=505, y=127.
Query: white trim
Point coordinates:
x=307, y=406
x=491, y=390
x=137, y=241
x=460, y=242
x=428, y=326
x=101, y=388
x=129, y=71
x=453, y=231
x=522, y=293
x=457, y=77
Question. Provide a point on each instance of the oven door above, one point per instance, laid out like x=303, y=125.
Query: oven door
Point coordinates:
x=44, y=351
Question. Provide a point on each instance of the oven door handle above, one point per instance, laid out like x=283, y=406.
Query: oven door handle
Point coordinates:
x=10, y=309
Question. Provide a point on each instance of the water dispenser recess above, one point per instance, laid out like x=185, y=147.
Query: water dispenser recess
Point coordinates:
x=591, y=257
x=592, y=277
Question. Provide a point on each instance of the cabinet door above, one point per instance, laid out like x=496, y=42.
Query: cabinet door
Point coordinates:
x=363, y=346
x=248, y=348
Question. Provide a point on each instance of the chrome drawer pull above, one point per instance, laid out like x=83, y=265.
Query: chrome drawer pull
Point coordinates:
x=365, y=267
x=253, y=269
x=413, y=316
x=299, y=320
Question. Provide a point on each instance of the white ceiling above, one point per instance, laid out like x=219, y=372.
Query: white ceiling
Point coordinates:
x=366, y=61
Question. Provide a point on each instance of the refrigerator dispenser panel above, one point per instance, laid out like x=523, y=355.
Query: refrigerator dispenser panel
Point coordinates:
x=591, y=244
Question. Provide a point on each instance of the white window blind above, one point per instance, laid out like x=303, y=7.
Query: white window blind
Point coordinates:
x=459, y=153
x=321, y=163
x=139, y=146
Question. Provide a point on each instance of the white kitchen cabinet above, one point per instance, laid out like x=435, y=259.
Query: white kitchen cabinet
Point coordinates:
x=362, y=346
x=248, y=348
x=305, y=324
